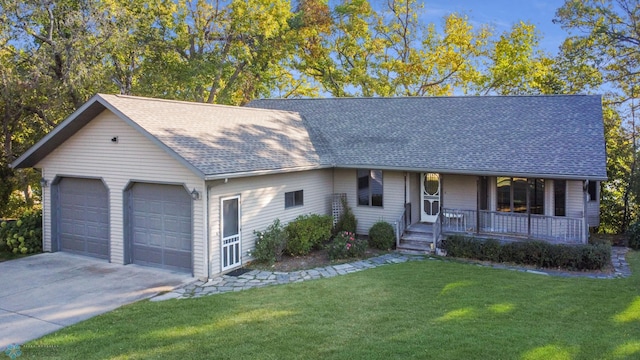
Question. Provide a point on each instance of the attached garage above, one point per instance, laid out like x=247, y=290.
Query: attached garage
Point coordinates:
x=159, y=226
x=82, y=217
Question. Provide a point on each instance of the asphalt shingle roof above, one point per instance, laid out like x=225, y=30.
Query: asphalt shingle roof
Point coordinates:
x=555, y=135
x=550, y=136
x=219, y=139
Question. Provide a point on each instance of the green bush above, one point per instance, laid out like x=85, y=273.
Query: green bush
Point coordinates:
x=347, y=220
x=23, y=236
x=270, y=243
x=537, y=253
x=634, y=236
x=307, y=232
x=346, y=244
x=382, y=235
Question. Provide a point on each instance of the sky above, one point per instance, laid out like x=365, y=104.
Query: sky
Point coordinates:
x=501, y=15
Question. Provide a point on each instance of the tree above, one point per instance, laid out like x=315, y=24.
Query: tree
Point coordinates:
x=515, y=66
x=605, y=50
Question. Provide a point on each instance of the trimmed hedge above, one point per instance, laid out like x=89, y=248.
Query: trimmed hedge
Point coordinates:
x=537, y=253
x=307, y=232
x=382, y=235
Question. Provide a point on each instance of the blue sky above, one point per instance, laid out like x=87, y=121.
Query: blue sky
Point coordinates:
x=502, y=14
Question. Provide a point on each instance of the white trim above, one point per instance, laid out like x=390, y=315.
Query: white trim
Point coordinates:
x=235, y=245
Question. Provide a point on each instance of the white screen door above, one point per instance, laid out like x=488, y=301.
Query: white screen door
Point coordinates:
x=230, y=222
x=430, y=186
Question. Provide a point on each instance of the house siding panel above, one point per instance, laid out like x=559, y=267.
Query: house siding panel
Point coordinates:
x=91, y=153
x=459, y=192
x=345, y=181
x=262, y=201
x=575, y=199
x=593, y=209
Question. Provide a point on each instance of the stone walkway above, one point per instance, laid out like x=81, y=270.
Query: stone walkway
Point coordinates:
x=258, y=278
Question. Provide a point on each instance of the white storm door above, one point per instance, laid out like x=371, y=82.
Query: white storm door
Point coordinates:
x=430, y=204
x=230, y=256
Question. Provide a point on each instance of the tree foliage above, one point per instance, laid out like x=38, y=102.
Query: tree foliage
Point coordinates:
x=604, y=50
x=55, y=54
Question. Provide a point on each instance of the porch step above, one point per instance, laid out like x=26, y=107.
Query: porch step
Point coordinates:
x=417, y=237
x=415, y=245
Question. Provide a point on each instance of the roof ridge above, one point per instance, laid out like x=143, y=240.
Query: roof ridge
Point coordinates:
x=193, y=103
x=427, y=97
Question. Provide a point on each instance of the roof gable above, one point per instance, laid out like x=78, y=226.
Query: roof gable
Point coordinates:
x=209, y=139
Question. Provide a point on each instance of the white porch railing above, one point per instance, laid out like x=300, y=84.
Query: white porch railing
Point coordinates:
x=400, y=226
x=437, y=230
x=553, y=228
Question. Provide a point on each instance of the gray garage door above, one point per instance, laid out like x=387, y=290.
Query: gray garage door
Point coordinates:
x=160, y=221
x=83, y=217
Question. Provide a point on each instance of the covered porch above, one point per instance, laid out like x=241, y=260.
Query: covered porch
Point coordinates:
x=538, y=209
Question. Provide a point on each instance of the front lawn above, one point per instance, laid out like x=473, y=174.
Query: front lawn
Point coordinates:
x=428, y=310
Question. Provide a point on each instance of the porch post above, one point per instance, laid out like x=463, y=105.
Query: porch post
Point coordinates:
x=528, y=195
x=478, y=192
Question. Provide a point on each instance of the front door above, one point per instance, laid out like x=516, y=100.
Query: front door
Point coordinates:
x=430, y=204
x=230, y=222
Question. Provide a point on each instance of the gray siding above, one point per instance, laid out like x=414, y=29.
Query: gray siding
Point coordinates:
x=262, y=201
x=345, y=181
x=459, y=192
x=575, y=199
x=91, y=153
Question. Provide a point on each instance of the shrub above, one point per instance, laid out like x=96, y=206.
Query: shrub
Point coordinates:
x=382, y=235
x=634, y=235
x=346, y=244
x=347, y=220
x=537, y=253
x=23, y=236
x=307, y=232
x=270, y=243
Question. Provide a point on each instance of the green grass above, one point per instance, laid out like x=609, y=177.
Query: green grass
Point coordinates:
x=431, y=309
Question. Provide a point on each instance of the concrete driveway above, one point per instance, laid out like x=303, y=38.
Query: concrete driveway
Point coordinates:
x=43, y=293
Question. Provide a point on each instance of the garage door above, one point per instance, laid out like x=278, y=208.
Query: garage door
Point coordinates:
x=83, y=217
x=160, y=221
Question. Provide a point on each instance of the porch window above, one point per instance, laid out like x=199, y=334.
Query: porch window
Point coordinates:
x=370, y=187
x=293, y=198
x=519, y=194
x=560, y=197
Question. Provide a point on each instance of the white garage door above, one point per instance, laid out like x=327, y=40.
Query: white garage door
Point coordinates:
x=83, y=217
x=160, y=221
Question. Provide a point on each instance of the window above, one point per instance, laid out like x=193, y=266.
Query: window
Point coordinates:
x=370, y=187
x=519, y=194
x=593, y=190
x=536, y=196
x=560, y=197
x=293, y=198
